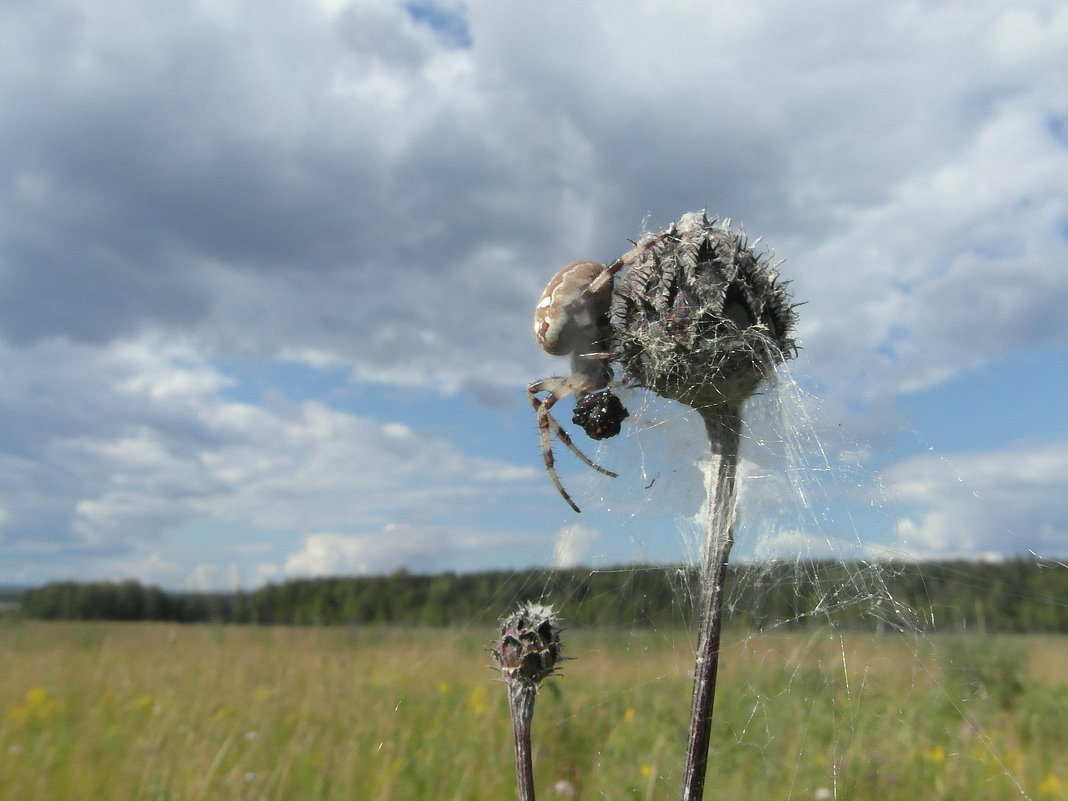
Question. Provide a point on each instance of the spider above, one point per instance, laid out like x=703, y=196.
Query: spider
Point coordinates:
x=571, y=319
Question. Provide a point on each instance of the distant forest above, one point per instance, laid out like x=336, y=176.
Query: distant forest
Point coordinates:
x=1022, y=595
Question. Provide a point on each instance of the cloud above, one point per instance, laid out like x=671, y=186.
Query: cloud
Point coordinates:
x=955, y=268
x=573, y=545
x=1004, y=502
x=106, y=451
x=336, y=181
x=791, y=544
x=349, y=181
x=420, y=549
x=384, y=188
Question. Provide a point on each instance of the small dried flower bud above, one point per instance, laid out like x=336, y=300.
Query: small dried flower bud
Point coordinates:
x=529, y=648
x=699, y=317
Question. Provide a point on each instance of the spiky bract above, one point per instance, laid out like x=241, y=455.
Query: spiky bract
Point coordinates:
x=529, y=648
x=699, y=316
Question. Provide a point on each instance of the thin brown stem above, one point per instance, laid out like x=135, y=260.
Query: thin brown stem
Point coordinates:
x=521, y=701
x=724, y=432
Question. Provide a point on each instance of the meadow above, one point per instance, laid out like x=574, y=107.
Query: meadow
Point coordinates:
x=161, y=712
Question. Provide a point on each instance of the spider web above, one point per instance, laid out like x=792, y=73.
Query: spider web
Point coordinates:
x=830, y=685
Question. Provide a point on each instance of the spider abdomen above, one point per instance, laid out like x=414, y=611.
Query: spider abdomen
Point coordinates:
x=569, y=317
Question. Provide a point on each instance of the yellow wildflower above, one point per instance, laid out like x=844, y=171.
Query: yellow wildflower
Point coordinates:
x=38, y=705
x=1051, y=785
x=224, y=712
x=144, y=702
x=477, y=702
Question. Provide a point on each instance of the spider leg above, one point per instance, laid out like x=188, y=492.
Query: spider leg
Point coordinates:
x=610, y=270
x=605, y=278
x=544, y=425
x=558, y=389
x=565, y=438
x=601, y=354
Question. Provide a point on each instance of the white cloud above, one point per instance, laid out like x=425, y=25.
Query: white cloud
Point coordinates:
x=348, y=187
x=791, y=544
x=956, y=268
x=140, y=440
x=1003, y=502
x=573, y=545
x=391, y=203
x=420, y=549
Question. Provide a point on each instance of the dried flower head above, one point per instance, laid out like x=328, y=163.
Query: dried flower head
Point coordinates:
x=699, y=316
x=529, y=648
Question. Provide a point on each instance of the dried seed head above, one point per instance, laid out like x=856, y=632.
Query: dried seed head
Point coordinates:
x=698, y=316
x=529, y=648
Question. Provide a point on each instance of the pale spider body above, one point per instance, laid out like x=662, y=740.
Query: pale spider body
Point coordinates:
x=572, y=319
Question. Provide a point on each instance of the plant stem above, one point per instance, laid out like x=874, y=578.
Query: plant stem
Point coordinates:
x=521, y=702
x=528, y=651
x=724, y=432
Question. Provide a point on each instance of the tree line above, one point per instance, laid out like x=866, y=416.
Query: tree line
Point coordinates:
x=1021, y=595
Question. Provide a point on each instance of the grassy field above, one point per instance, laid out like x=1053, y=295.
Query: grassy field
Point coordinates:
x=127, y=711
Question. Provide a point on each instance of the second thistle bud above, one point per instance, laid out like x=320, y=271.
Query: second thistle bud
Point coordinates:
x=527, y=651
x=529, y=648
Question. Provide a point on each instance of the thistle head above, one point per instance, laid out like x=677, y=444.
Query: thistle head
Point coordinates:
x=529, y=648
x=699, y=317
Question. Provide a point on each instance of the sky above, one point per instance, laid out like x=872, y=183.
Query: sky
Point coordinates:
x=267, y=273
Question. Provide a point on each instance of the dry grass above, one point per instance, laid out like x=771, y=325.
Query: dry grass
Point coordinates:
x=116, y=712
